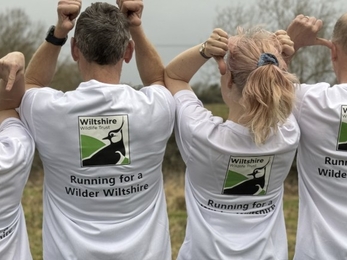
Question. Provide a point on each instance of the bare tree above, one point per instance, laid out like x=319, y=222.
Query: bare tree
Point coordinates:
x=311, y=64
x=19, y=33
x=67, y=76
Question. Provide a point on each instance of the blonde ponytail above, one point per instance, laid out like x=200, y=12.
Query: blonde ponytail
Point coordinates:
x=268, y=99
x=267, y=88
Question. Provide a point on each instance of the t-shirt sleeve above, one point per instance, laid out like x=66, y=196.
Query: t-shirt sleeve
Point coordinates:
x=190, y=113
x=16, y=145
x=33, y=102
x=301, y=92
x=162, y=97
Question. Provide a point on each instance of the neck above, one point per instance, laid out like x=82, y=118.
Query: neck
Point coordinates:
x=342, y=74
x=340, y=65
x=109, y=74
x=235, y=112
x=232, y=98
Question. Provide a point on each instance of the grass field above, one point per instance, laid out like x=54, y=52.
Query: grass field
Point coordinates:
x=174, y=188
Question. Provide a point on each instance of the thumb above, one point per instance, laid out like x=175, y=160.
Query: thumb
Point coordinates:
x=221, y=65
x=323, y=42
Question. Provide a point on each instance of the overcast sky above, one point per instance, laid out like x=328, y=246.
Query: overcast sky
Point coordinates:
x=171, y=25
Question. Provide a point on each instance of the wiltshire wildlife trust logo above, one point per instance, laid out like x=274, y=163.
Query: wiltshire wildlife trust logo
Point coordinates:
x=342, y=136
x=248, y=175
x=104, y=140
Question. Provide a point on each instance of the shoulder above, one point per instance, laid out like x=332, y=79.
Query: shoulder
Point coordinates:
x=16, y=143
x=156, y=89
x=14, y=128
x=291, y=126
x=303, y=89
x=158, y=93
x=186, y=98
x=37, y=92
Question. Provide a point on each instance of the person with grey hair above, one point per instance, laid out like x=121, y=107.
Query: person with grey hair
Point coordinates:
x=16, y=155
x=321, y=112
x=102, y=144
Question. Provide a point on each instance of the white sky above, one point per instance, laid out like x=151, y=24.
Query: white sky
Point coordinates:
x=171, y=25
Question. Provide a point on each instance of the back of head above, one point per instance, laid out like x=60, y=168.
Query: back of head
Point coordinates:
x=340, y=32
x=102, y=33
x=259, y=73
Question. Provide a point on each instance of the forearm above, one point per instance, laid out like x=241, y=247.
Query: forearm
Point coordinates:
x=149, y=63
x=11, y=99
x=11, y=80
x=4, y=114
x=184, y=66
x=41, y=68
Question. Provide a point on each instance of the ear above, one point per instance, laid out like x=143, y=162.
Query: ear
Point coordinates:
x=74, y=49
x=333, y=52
x=129, y=51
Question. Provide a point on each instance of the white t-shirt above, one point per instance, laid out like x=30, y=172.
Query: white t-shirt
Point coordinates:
x=102, y=148
x=234, y=189
x=16, y=156
x=322, y=167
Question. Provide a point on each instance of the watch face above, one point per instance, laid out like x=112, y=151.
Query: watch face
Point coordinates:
x=202, y=51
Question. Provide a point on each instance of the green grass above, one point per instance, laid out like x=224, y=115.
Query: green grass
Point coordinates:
x=218, y=109
x=32, y=204
x=290, y=205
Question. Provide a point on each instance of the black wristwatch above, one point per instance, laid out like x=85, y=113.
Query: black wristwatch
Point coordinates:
x=54, y=40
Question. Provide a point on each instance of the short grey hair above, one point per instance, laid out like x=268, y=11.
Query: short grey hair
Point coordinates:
x=102, y=33
x=340, y=32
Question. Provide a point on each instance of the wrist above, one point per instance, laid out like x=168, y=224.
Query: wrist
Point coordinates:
x=202, y=51
x=56, y=36
x=60, y=32
x=135, y=30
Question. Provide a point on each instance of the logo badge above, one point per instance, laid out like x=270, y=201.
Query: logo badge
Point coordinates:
x=248, y=175
x=342, y=136
x=104, y=140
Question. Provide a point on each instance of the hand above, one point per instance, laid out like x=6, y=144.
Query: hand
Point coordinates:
x=11, y=68
x=217, y=47
x=287, y=45
x=132, y=10
x=303, y=32
x=68, y=10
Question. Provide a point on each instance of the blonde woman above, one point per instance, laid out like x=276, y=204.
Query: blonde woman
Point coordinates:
x=235, y=169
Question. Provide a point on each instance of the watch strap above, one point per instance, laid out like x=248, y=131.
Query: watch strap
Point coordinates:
x=54, y=40
x=202, y=51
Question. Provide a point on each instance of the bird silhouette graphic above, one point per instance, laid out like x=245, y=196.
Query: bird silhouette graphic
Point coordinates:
x=252, y=186
x=110, y=154
x=342, y=146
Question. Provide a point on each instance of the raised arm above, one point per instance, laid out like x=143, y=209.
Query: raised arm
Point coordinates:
x=182, y=68
x=148, y=61
x=42, y=66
